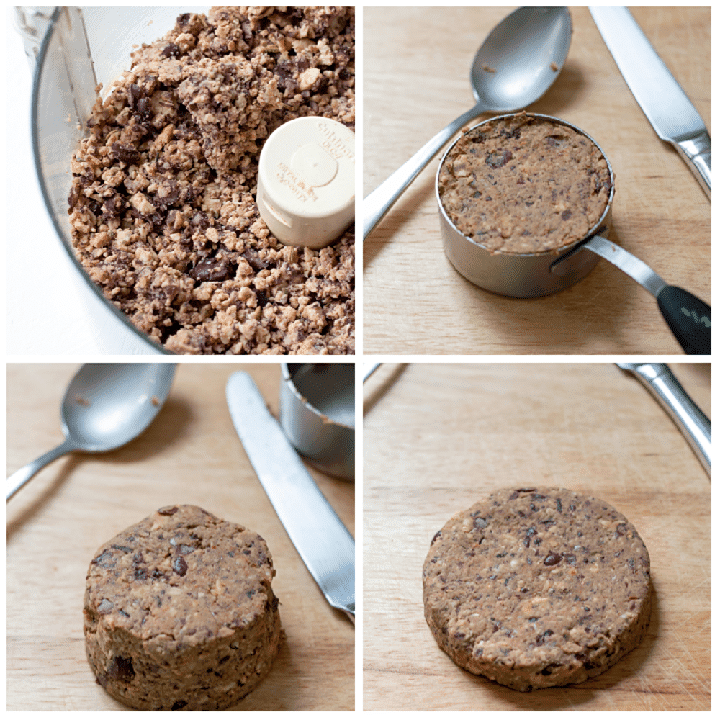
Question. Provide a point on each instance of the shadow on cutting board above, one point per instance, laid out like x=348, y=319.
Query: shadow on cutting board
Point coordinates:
x=373, y=396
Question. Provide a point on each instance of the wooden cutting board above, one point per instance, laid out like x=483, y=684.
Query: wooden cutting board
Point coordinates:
x=437, y=437
x=190, y=454
x=416, y=80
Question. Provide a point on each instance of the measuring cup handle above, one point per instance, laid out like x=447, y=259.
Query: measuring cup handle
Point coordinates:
x=688, y=317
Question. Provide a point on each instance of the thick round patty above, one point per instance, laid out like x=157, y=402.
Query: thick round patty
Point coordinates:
x=179, y=612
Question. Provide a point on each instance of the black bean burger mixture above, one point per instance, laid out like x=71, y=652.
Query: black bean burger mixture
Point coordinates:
x=162, y=206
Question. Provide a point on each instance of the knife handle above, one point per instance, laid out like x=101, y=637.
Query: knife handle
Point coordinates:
x=691, y=420
x=695, y=151
x=688, y=317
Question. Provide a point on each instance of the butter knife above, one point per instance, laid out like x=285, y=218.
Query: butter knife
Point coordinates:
x=667, y=390
x=667, y=107
x=323, y=542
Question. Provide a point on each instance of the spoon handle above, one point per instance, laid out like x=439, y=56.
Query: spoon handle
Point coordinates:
x=21, y=476
x=368, y=370
x=383, y=197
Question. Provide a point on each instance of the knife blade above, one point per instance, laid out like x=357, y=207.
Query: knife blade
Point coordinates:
x=665, y=104
x=667, y=390
x=323, y=542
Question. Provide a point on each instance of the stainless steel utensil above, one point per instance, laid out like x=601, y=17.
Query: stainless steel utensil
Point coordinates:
x=369, y=369
x=105, y=406
x=667, y=390
x=530, y=275
x=666, y=106
x=521, y=275
x=321, y=539
x=317, y=413
x=688, y=317
x=515, y=66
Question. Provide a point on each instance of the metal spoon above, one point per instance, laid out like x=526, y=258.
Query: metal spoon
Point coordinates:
x=105, y=406
x=514, y=67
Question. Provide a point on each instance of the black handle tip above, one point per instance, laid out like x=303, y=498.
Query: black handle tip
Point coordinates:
x=688, y=317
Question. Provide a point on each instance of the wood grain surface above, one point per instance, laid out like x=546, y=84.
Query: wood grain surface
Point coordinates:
x=437, y=437
x=416, y=80
x=190, y=454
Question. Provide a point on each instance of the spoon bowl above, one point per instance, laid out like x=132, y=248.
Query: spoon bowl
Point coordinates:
x=515, y=66
x=105, y=406
x=520, y=58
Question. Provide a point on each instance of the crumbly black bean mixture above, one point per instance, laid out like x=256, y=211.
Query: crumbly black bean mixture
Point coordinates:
x=162, y=206
x=524, y=185
x=537, y=587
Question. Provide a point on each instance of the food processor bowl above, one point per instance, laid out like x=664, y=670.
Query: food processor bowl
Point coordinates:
x=74, y=50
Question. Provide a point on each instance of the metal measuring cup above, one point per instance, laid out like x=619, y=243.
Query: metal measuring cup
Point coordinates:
x=531, y=275
x=317, y=413
x=521, y=275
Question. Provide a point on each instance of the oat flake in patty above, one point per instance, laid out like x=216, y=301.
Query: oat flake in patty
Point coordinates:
x=162, y=205
x=537, y=587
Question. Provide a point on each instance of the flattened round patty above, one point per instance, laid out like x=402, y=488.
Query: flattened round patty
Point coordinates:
x=537, y=587
x=179, y=612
